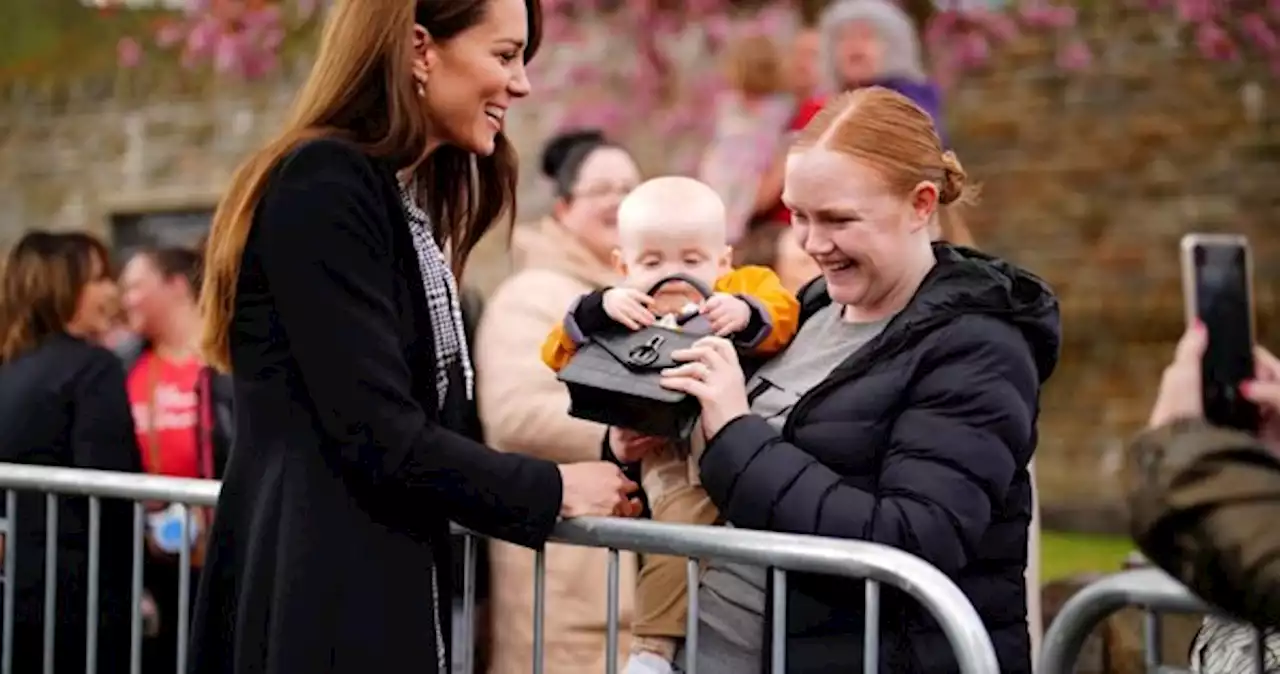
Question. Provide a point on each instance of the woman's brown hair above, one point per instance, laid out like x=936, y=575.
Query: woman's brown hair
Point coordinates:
x=361, y=89
x=177, y=262
x=43, y=278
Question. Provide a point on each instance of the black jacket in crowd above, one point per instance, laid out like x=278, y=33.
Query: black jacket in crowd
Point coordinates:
x=919, y=441
x=335, y=507
x=64, y=404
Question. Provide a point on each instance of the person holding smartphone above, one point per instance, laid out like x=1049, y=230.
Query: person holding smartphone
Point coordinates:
x=1204, y=498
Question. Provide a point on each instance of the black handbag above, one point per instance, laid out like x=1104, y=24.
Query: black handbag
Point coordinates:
x=613, y=377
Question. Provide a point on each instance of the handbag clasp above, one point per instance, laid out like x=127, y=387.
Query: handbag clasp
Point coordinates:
x=646, y=354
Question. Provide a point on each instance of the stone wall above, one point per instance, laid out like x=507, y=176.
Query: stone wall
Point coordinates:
x=1090, y=179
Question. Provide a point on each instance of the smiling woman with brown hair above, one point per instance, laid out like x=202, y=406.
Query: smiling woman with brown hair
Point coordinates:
x=328, y=297
x=62, y=403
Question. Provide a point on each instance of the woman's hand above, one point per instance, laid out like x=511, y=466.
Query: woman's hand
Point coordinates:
x=630, y=446
x=1265, y=393
x=150, y=615
x=711, y=373
x=1180, y=395
x=597, y=489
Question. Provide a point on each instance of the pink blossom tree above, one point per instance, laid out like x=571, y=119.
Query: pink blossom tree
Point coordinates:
x=242, y=38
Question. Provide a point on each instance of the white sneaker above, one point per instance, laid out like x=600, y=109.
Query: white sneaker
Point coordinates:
x=647, y=663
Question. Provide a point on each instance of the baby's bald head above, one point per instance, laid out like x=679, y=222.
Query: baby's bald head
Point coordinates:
x=674, y=206
x=672, y=225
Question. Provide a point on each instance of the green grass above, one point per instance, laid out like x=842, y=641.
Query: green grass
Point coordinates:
x=1067, y=554
x=61, y=40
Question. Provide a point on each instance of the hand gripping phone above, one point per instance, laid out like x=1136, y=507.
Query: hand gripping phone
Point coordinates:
x=1217, y=278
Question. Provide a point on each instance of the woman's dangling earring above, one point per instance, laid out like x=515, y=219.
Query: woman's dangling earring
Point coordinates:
x=420, y=79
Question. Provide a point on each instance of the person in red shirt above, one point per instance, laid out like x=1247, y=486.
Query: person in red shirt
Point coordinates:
x=165, y=374
x=162, y=394
x=181, y=413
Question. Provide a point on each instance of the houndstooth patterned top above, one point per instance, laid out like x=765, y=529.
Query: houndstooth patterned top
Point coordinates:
x=1226, y=647
x=442, y=299
x=450, y=344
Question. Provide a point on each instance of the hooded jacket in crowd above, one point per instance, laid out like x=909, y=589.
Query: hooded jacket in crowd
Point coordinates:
x=1203, y=503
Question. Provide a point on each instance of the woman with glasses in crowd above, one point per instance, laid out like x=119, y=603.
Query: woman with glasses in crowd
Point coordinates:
x=330, y=296
x=525, y=410
x=62, y=403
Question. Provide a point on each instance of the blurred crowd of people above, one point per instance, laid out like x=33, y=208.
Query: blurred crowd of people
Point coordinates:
x=155, y=407
x=101, y=370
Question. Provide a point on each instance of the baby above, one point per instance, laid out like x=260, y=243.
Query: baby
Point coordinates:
x=675, y=225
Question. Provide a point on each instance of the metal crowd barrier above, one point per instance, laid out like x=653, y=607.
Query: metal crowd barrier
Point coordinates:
x=1151, y=590
x=780, y=552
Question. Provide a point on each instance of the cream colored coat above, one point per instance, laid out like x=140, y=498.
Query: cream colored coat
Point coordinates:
x=524, y=409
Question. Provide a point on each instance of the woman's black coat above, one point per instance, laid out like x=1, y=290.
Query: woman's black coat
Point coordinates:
x=64, y=404
x=336, y=504
x=919, y=441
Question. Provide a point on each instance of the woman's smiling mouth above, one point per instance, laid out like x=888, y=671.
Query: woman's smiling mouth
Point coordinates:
x=495, y=114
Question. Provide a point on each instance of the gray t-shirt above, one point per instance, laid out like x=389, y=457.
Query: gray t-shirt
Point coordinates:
x=732, y=596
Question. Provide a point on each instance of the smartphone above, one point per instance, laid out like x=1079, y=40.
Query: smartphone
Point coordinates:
x=1217, y=277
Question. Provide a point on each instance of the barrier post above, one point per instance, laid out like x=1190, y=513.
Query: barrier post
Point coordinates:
x=781, y=553
x=1151, y=590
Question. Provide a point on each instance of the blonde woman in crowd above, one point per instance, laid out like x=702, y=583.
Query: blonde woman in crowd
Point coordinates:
x=524, y=410
x=751, y=117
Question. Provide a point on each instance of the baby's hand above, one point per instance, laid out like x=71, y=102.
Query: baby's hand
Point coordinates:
x=727, y=313
x=629, y=307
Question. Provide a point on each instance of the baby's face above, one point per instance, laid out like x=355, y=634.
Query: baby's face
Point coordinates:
x=650, y=255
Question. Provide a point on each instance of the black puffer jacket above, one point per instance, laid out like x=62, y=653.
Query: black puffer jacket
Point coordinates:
x=919, y=441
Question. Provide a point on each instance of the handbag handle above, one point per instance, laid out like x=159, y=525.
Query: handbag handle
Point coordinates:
x=697, y=285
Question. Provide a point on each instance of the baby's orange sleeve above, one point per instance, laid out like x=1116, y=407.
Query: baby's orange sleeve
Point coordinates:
x=780, y=308
x=558, y=348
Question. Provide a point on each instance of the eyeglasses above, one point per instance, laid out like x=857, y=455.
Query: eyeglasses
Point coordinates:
x=603, y=190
